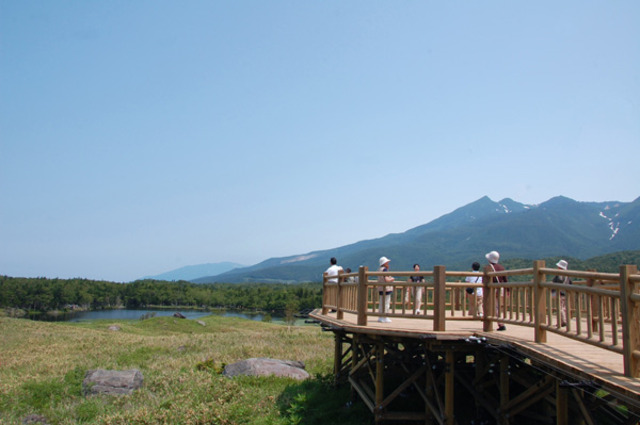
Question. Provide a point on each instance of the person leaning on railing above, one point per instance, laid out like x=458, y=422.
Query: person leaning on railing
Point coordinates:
x=416, y=291
x=350, y=279
x=493, y=257
x=384, y=291
x=562, y=265
x=474, y=295
x=333, y=270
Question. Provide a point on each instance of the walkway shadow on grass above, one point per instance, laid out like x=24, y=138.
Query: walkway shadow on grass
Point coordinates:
x=318, y=401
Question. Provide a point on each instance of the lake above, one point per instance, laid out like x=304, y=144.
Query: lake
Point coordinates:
x=132, y=314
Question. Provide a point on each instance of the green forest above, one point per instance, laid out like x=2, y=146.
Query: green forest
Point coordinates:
x=42, y=294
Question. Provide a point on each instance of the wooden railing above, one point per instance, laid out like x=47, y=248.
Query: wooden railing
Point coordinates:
x=602, y=309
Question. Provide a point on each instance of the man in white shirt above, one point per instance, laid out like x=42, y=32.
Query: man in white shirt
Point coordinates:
x=333, y=270
x=474, y=295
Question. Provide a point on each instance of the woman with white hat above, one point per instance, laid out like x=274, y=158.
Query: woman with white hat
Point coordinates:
x=493, y=257
x=383, y=290
x=562, y=265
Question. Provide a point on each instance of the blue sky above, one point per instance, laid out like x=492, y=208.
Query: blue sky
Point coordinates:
x=137, y=137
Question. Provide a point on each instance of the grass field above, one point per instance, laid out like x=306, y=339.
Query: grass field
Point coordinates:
x=42, y=366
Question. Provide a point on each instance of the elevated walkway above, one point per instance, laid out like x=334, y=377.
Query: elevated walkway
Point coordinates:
x=536, y=370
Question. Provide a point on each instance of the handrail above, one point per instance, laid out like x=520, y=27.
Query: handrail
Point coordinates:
x=594, y=310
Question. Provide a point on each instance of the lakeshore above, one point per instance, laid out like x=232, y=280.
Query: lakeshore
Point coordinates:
x=80, y=315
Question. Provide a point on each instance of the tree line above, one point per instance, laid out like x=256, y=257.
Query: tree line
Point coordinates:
x=43, y=294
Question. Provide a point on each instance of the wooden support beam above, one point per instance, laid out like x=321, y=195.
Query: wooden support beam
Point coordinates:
x=379, y=381
x=439, y=297
x=479, y=397
x=530, y=396
x=504, y=388
x=410, y=380
x=540, y=300
x=479, y=363
x=562, y=404
x=504, y=380
x=449, y=393
x=433, y=395
x=364, y=392
x=362, y=296
x=586, y=414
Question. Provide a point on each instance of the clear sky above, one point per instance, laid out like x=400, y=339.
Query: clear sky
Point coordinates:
x=138, y=137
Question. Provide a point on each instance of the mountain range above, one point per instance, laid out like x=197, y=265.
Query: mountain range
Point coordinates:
x=558, y=227
x=196, y=271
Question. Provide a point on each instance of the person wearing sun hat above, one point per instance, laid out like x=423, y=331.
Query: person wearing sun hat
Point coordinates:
x=562, y=265
x=383, y=290
x=493, y=257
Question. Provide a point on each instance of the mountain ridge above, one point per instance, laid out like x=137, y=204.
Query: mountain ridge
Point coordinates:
x=559, y=226
x=195, y=271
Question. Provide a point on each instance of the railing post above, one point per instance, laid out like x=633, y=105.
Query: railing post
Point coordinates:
x=325, y=295
x=488, y=301
x=439, y=298
x=339, y=301
x=539, y=302
x=594, y=308
x=630, y=322
x=363, y=276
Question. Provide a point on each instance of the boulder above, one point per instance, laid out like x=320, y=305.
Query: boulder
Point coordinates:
x=201, y=323
x=35, y=419
x=114, y=328
x=266, y=367
x=113, y=382
x=179, y=315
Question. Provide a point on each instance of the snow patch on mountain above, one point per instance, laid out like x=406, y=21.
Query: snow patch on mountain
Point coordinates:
x=614, y=226
x=299, y=258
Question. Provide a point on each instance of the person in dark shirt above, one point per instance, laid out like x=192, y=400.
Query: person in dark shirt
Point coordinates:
x=416, y=290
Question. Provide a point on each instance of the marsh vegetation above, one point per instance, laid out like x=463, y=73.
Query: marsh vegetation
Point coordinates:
x=44, y=363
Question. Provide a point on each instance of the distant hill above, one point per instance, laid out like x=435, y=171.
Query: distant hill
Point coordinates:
x=193, y=272
x=558, y=227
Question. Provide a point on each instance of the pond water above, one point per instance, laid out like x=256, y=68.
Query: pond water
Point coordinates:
x=133, y=314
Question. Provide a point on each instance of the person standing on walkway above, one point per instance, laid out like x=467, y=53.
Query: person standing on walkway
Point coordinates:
x=333, y=270
x=562, y=265
x=493, y=257
x=474, y=295
x=416, y=290
x=384, y=291
x=350, y=279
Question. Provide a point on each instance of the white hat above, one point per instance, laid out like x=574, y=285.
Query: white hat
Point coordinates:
x=383, y=260
x=562, y=264
x=493, y=256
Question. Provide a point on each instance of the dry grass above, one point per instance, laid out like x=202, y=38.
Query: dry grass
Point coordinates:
x=42, y=366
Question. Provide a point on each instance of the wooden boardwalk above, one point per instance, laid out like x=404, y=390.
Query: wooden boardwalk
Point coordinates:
x=437, y=345
x=583, y=361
